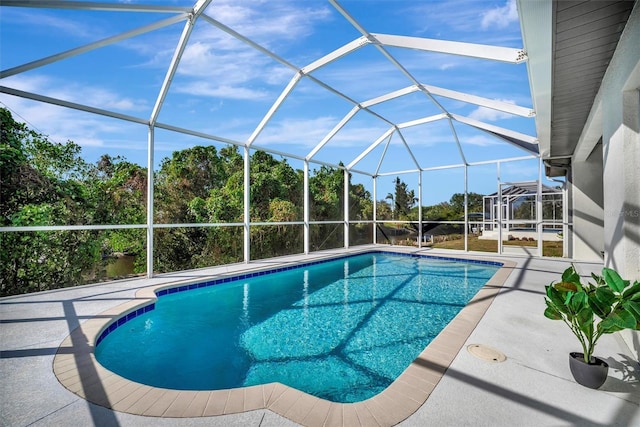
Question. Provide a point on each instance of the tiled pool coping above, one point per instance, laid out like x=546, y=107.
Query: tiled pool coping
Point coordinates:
x=76, y=367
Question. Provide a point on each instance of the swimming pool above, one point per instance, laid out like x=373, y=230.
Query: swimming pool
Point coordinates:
x=341, y=330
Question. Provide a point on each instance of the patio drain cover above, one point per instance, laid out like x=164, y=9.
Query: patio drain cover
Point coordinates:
x=486, y=353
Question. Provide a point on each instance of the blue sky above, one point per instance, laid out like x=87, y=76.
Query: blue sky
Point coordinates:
x=223, y=87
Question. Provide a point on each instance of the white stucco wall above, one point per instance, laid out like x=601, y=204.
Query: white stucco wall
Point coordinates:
x=621, y=153
x=620, y=95
x=587, y=211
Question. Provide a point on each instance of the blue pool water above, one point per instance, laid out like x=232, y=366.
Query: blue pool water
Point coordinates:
x=341, y=330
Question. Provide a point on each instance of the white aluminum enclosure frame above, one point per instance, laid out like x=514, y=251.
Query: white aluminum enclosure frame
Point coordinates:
x=196, y=15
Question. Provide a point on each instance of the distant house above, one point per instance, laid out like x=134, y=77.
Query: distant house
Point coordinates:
x=519, y=212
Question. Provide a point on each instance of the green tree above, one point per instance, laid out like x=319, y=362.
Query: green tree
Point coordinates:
x=43, y=183
x=183, y=185
x=383, y=210
x=326, y=188
x=273, y=180
x=439, y=212
x=188, y=174
x=474, y=202
x=453, y=210
x=523, y=208
x=276, y=196
x=360, y=203
x=403, y=200
x=120, y=189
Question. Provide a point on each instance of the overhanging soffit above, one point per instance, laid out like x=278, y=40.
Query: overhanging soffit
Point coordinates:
x=569, y=45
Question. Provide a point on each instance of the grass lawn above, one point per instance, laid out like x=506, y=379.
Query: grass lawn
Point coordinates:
x=553, y=249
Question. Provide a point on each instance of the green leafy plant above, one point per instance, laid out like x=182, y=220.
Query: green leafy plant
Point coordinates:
x=607, y=305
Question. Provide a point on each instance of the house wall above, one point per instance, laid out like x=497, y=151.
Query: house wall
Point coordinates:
x=587, y=210
x=621, y=153
x=621, y=160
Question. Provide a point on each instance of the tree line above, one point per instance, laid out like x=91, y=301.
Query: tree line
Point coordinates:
x=45, y=183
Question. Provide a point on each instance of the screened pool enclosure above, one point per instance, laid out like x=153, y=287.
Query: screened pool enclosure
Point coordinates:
x=222, y=132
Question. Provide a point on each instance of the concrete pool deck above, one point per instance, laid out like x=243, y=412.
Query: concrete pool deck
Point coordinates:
x=533, y=386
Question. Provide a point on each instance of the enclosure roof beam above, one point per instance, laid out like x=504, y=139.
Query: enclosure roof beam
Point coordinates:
x=510, y=159
x=371, y=147
x=348, y=99
x=455, y=137
x=404, y=141
x=389, y=96
x=483, y=102
x=458, y=96
x=335, y=130
x=399, y=172
x=422, y=121
x=274, y=107
x=91, y=46
x=520, y=140
x=406, y=72
x=384, y=52
x=494, y=129
x=197, y=134
x=302, y=71
x=336, y=54
x=437, y=168
x=481, y=51
x=173, y=66
x=198, y=8
x=72, y=105
x=86, y=5
x=537, y=28
x=106, y=113
x=248, y=41
x=384, y=153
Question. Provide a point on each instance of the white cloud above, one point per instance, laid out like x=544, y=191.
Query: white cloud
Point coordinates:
x=103, y=98
x=47, y=23
x=205, y=88
x=480, y=141
x=485, y=114
x=28, y=84
x=442, y=17
x=306, y=132
x=269, y=20
x=278, y=76
x=62, y=124
x=446, y=66
x=216, y=68
x=215, y=62
x=217, y=65
x=490, y=115
x=361, y=137
x=76, y=92
x=500, y=17
x=57, y=123
x=204, y=59
x=309, y=132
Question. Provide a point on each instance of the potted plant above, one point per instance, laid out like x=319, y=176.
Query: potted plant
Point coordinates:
x=607, y=305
